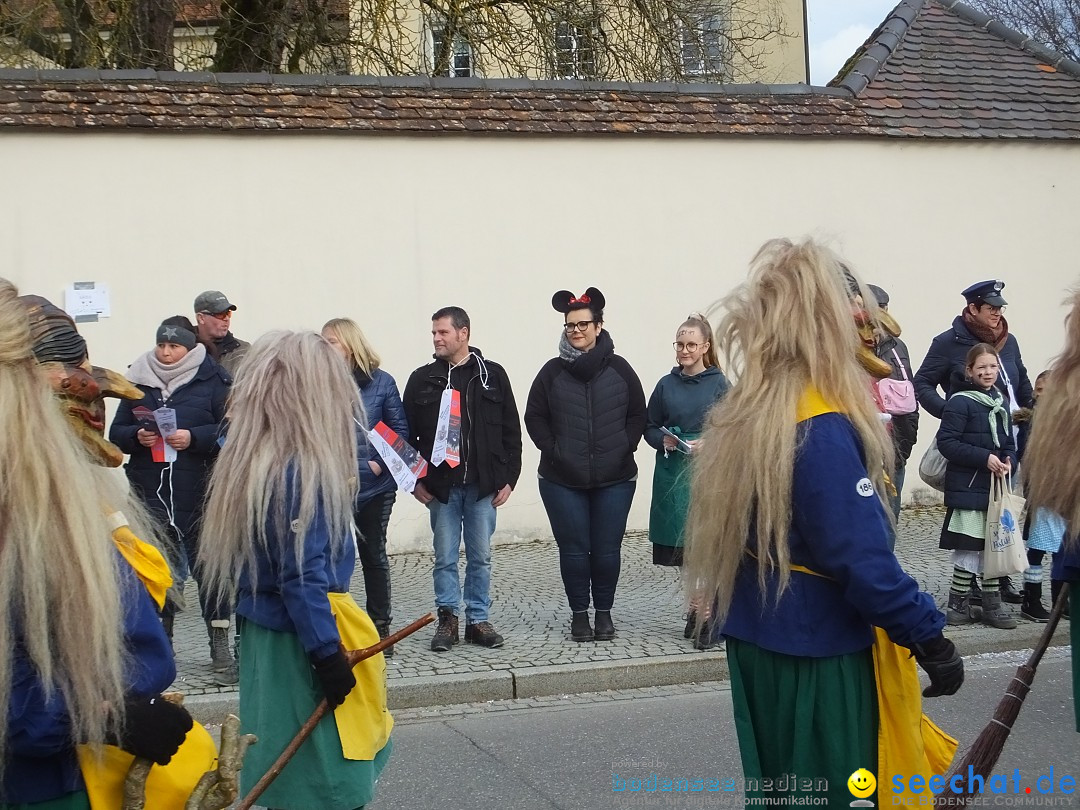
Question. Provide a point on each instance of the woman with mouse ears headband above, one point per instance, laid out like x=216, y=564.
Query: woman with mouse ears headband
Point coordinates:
x=788, y=539
x=586, y=414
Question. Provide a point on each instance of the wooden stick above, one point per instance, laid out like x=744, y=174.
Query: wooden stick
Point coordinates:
x=353, y=657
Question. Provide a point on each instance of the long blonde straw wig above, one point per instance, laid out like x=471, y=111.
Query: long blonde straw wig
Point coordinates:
x=788, y=328
x=59, y=598
x=291, y=440
x=1052, y=478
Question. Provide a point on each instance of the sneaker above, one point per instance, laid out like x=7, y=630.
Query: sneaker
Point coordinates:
x=446, y=634
x=482, y=633
x=227, y=677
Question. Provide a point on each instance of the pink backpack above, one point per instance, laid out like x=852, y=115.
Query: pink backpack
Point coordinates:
x=897, y=396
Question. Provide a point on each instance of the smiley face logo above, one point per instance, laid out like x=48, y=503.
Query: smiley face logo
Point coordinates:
x=861, y=783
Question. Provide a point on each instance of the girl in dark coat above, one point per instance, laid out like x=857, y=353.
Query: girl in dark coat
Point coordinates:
x=378, y=490
x=586, y=414
x=169, y=474
x=679, y=403
x=976, y=438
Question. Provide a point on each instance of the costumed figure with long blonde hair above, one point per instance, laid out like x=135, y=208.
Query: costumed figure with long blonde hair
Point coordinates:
x=280, y=505
x=789, y=538
x=85, y=658
x=1051, y=480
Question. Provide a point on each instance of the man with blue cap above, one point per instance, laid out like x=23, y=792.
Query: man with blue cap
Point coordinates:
x=981, y=321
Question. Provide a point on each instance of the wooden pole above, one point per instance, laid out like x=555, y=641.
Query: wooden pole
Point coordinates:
x=353, y=657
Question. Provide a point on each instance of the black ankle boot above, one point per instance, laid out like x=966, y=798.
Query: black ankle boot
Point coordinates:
x=383, y=629
x=691, y=624
x=605, y=629
x=580, y=629
x=1008, y=593
x=1032, y=608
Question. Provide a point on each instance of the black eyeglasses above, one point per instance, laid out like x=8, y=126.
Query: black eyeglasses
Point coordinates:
x=579, y=326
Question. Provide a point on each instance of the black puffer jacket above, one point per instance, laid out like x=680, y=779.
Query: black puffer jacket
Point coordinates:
x=964, y=438
x=490, y=429
x=174, y=493
x=587, y=418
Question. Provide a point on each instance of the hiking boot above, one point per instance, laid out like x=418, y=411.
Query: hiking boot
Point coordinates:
x=1008, y=593
x=691, y=623
x=167, y=625
x=994, y=613
x=384, y=631
x=1032, y=608
x=705, y=640
x=976, y=594
x=959, y=609
x=1055, y=590
x=605, y=629
x=580, y=629
x=221, y=651
x=482, y=633
x=446, y=634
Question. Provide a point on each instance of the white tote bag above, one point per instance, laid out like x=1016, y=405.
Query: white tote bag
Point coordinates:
x=1004, y=553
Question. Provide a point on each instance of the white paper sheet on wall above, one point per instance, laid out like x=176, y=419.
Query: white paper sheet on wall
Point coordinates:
x=86, y=301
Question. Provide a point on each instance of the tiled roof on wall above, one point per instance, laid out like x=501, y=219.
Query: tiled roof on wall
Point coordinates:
x=939, y=68
x=233, y=102
x=933, y=69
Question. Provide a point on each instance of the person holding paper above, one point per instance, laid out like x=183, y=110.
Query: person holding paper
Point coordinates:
x=378, y=490
x=172, y=438
x=676, y=414
x=463, y=419
x=976, y=438
x=586, y=414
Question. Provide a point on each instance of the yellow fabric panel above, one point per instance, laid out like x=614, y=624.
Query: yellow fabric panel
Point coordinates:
x=148, y=563
x=908, y=741
x=812, y=404
x=167, y=786
x=363, y=721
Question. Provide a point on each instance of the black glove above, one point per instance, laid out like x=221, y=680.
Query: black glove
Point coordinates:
x=153, y=728
x=939, y=658
x=335, y=675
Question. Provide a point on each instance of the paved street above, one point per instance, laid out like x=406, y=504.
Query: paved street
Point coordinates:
x=538, y=658
x=564, y=753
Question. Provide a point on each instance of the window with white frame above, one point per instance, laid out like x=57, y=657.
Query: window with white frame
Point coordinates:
x=575, y=49
x=459, y=61
x=703, y=43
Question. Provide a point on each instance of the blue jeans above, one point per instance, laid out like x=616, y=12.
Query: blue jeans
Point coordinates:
x=463, y=516
x=588, y=525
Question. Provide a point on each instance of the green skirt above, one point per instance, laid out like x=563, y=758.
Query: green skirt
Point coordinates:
x=73, y=801
x=278, y=692
x=804, y=724
x=670, y=498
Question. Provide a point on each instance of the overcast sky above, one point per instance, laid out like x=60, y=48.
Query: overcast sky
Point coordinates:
x=837, y=29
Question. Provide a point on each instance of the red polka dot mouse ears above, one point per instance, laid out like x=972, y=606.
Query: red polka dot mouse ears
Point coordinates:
x=564, y=301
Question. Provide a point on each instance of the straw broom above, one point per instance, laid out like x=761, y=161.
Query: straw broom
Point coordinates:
x=983, y=754
x=354, y=657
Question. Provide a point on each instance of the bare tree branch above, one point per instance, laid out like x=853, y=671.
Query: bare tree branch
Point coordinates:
x=1054, y=23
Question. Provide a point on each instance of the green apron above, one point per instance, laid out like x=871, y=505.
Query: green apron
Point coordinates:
x=670, y=497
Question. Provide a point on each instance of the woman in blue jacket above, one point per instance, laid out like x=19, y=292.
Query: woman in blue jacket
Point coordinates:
x=280, y=508
x=586, y=414
x=378, y=490
x=169, y=474
x=679, y=403
x=976, y=438
x=788, y=533
x=71, y=609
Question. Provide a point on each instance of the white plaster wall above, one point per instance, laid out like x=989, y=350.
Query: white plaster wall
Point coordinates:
x=298, y=229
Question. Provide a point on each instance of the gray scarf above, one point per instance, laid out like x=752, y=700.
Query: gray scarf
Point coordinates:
x=149, y=371
x=567, y=351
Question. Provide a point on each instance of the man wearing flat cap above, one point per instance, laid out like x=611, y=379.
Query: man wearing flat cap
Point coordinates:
x=981, y=321
x=213, y=316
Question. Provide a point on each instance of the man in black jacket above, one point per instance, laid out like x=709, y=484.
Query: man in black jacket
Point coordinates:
x=905, y=427
x=213, y=318
x=463, y=419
